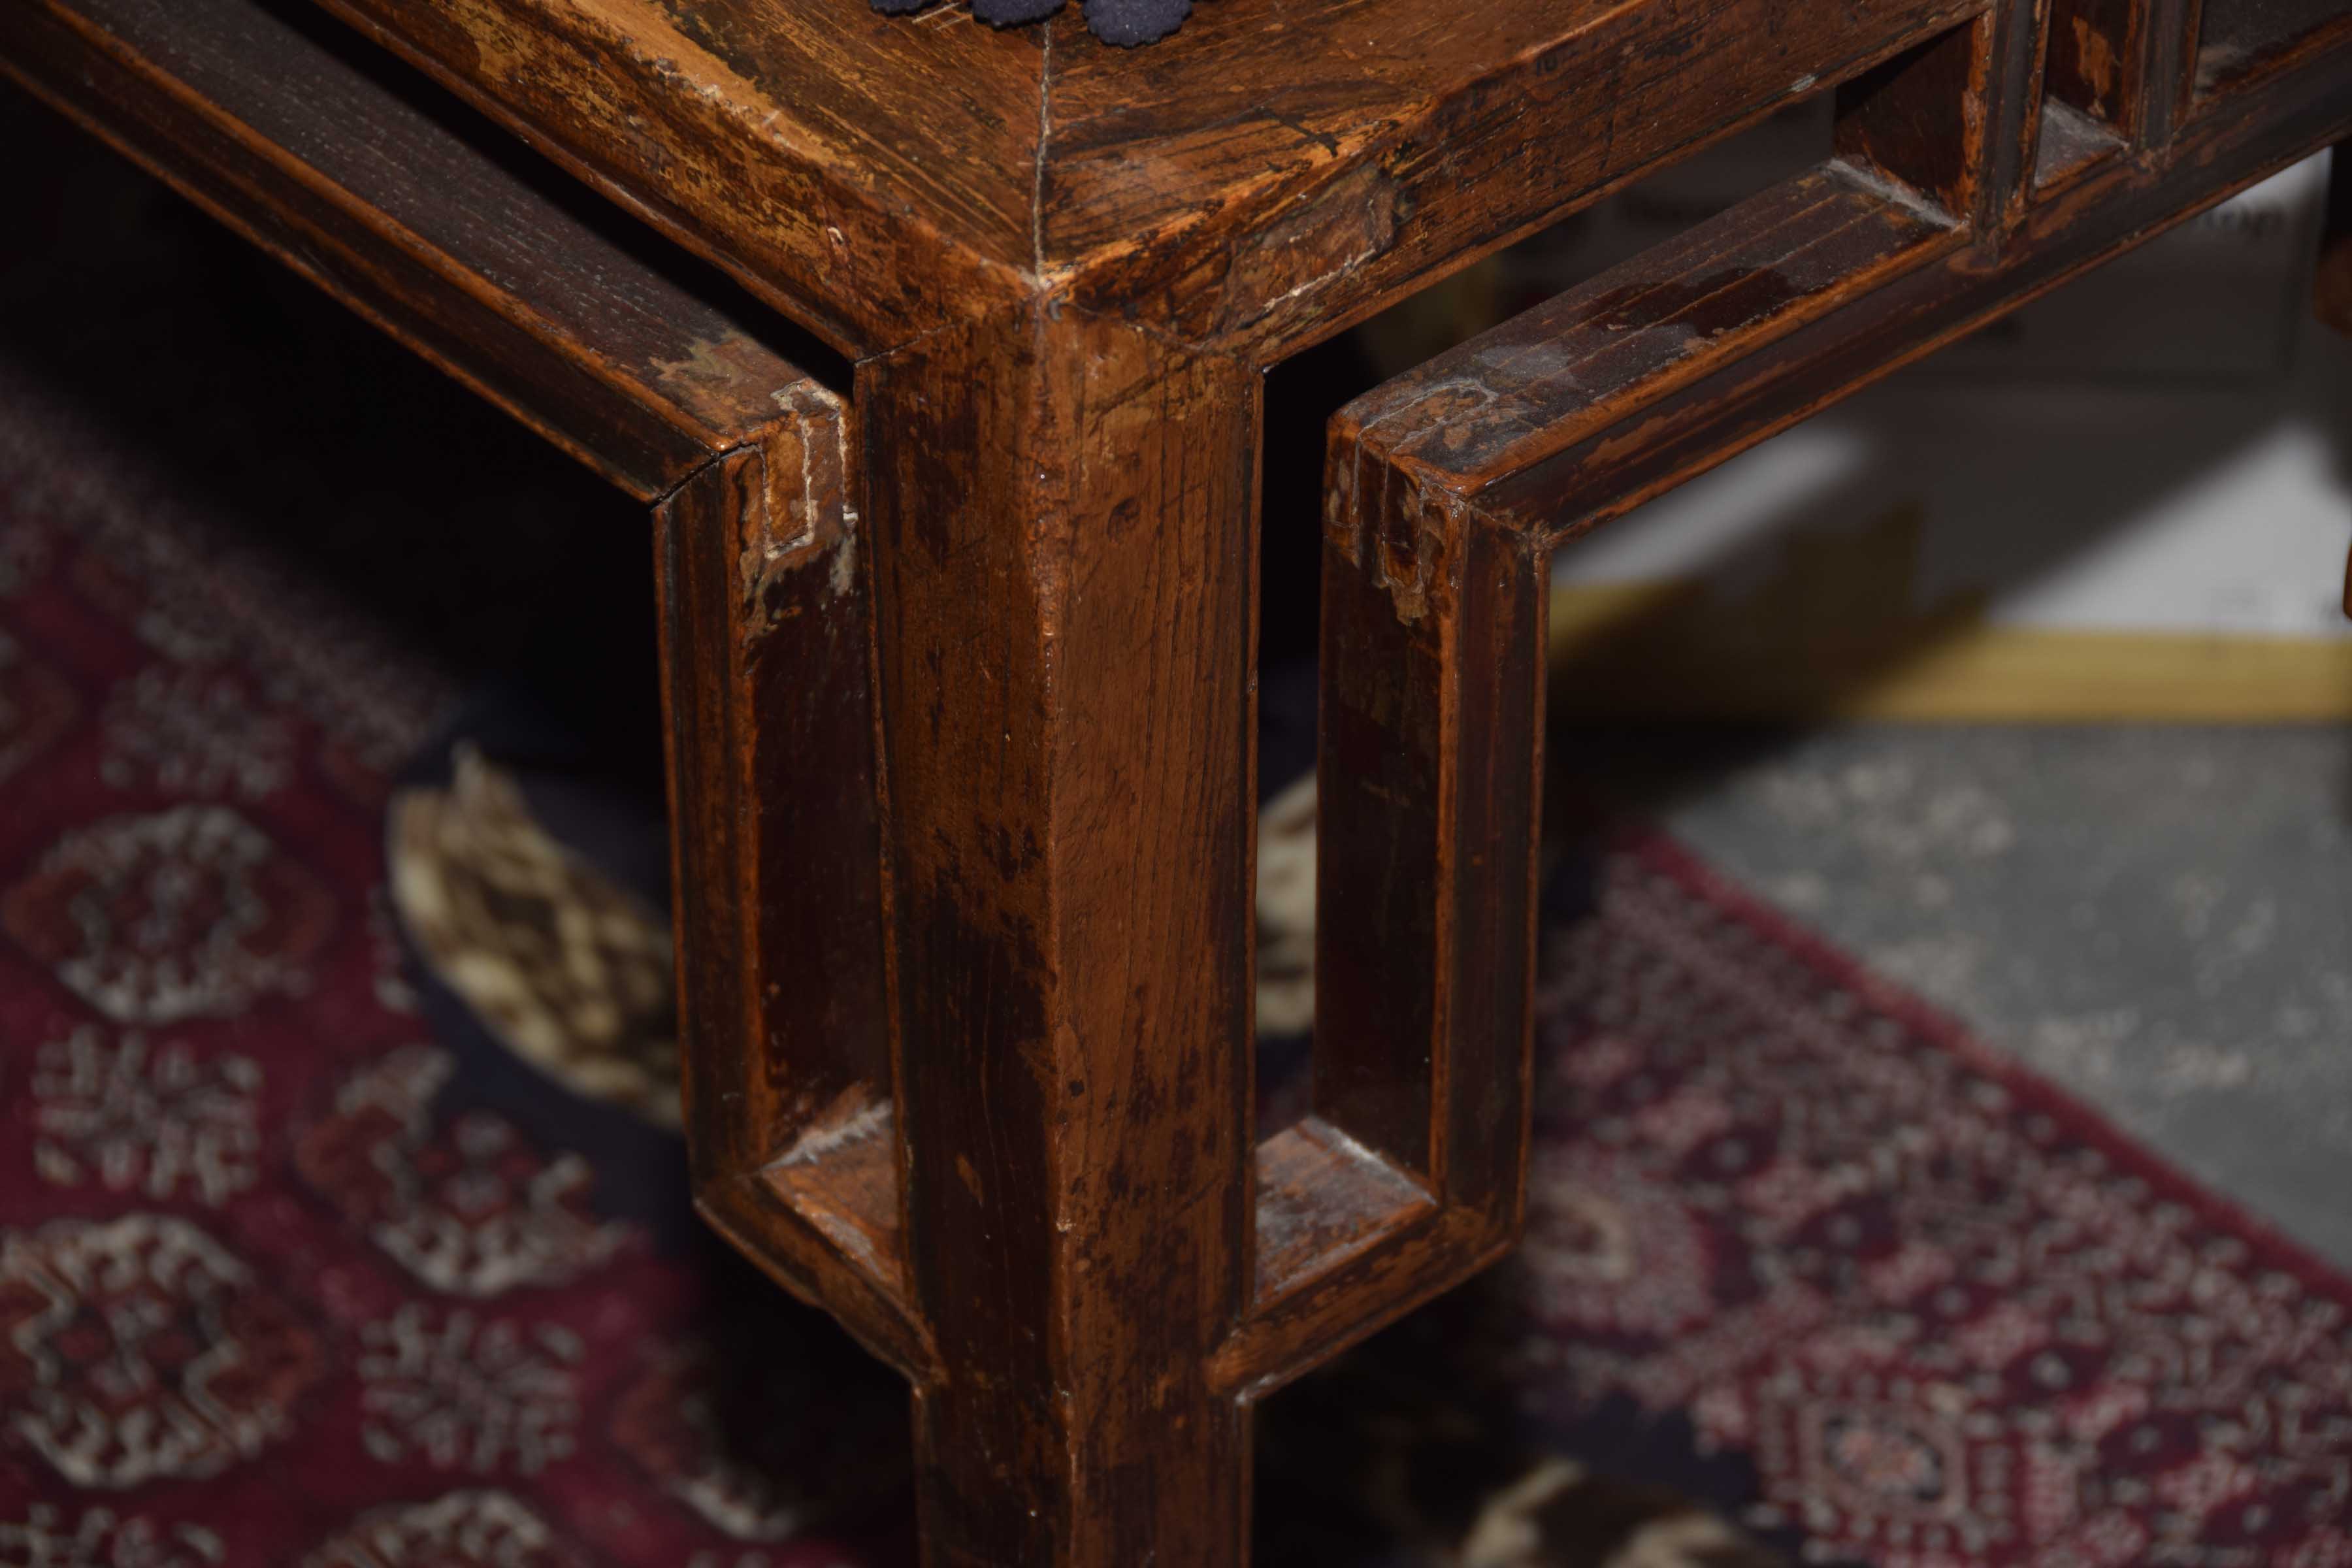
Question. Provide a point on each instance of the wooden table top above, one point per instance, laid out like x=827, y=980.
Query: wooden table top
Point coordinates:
x=1275, y=171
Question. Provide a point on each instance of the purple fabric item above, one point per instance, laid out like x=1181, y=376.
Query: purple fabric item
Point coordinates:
x=1014, y=13
x=1128, y=23
x=1125, y=22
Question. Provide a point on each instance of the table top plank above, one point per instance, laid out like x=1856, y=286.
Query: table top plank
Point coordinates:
x=865, y=174
x=1275, y=170
x=1392, y=140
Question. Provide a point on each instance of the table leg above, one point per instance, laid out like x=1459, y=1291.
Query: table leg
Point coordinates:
x=1062, y=517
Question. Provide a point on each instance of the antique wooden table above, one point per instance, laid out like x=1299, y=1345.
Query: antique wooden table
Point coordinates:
x=960, y=651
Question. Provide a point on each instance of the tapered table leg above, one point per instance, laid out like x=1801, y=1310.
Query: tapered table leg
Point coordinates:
x=1060, y=511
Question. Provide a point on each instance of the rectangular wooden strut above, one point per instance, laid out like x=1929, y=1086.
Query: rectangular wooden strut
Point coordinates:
x=1587, y=405
x=282, y=134
x=1447, y=489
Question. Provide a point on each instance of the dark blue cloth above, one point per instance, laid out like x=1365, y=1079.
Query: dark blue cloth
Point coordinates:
x=1125, y=23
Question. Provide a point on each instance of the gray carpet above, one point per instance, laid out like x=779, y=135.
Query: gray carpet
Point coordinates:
x=2158, y=917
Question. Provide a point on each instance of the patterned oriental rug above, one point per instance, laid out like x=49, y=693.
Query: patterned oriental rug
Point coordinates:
x=306, y=1262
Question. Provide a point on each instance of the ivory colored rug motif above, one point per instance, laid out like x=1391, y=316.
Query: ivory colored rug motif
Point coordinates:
x=289, y=1277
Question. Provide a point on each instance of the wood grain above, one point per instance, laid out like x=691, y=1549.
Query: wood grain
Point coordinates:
x=763, y=582
x=763, y=574
x=1495, y=424
x=1557, y=376
x=461, y=256
x=869, y=176
x=1432, y=676
x=1377, y=145
x=1270, y=173
x=1462, y=475
x=1324, y=1200
x=959, y=689
x=1359, y=1294
x=1746, y=399
x=1918, y=121
x=2097, y=60
x=462, y=252
x=1063, y=520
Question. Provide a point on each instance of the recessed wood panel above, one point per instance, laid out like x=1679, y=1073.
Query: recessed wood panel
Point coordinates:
x=2092, y=62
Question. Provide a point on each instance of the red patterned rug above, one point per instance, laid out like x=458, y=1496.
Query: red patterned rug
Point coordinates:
x=285, y=1279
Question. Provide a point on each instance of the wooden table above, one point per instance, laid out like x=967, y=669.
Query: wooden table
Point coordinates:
x=959, y=641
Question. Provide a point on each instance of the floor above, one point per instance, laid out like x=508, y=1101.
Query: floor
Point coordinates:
x=2158, y=917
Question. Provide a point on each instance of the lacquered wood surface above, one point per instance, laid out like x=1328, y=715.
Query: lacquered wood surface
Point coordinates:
x=1269, y=174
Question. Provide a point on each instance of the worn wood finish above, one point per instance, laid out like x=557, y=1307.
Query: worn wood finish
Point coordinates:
x=869, y=176
x=454, y=252
x=1616, y=392
x=1511, y=402
x=2096, y=60
x=1746, y=401
x=1783, y=334
x=1068, y=763
x=765, y=637
x=462, y=251
x=1430, y=136
x=1432, y=696
x=1324, y=1199
x=763, y=589
x=2069, y=143
x=958, y=690
x=1432, y=673
x=1266, y=175
x=1919, y=122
